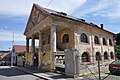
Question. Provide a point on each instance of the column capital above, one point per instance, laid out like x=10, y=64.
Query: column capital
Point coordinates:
x=40, y=32
x=53, y=24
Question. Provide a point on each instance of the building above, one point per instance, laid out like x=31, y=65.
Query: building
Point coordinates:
x=5, y=58
x=57, y=31
x=20, y=49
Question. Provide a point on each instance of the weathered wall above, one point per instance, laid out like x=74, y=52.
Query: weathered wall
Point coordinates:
x=60, y=34
x=90, y=47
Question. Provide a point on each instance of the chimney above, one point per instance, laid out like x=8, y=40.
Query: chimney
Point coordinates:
x=101, y=25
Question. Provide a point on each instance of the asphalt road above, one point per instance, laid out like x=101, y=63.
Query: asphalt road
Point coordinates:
x=103, y=75
x=8, y=73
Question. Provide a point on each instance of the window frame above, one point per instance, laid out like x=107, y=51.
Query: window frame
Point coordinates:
x=104, y=41
x=84, y=38
x=96, y=40
x=65, y=38
x=110, y=42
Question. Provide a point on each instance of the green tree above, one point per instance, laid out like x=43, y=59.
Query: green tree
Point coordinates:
x=117, y=47
x=21, y=54
x=117, y=38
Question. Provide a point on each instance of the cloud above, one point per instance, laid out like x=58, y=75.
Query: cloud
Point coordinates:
x=16, y=7
x=23, y=7
x=66, y=5
x=8, y=36
x=103, y=8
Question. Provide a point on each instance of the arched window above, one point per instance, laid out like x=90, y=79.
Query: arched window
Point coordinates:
x=65, y=38
x=98, y=56
x=105, y=56
x=85, y=57
x=84, y=38
x=104, y=41
x=96, y=40
x=110, y=42
x=111, y=55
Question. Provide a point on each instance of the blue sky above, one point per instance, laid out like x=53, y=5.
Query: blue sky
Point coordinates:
x=14, y=15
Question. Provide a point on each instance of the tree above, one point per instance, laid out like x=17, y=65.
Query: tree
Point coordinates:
x=117, y=38
x=21, y=54
x=117, y=50
x=117, y=46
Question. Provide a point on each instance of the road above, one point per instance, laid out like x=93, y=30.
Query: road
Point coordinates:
x=8, y=73
x=103, y=75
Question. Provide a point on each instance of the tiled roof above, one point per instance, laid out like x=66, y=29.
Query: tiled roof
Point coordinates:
x=21, y=48
x=64, y=15
x=2, y=55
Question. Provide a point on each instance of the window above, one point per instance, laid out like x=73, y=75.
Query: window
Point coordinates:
x=98, y=56
x=111, y=55
x=110, y=42
x=104, y=41
x=65, y=38
x=84, y=38
x=105, y=56
x=85, y=57
x=96, y=40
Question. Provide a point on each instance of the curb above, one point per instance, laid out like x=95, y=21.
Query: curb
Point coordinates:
x=89, y=74
x=37, y=75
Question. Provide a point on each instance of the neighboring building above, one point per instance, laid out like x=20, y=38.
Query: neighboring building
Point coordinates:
x=5, y=58
x=20, y=49
x=57, y=31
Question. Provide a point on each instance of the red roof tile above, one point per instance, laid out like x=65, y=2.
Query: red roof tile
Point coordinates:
x=21, y=48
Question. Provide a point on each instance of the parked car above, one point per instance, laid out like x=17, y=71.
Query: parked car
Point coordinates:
x=114, y=67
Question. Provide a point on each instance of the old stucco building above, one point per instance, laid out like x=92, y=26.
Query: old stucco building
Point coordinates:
x=57, y=31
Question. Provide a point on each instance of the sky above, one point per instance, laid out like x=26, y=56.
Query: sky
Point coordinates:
x=14, y=16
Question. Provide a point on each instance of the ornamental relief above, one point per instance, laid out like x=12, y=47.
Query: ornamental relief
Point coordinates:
x=35, y=17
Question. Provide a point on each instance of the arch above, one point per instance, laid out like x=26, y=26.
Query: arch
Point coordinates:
x=65, y=38
x=105, y=56
x=84, y=38
x=85, y=57
x=104, y=41
x=98, y=56
x=111, y=55
x=96, y=40
x=110, y=42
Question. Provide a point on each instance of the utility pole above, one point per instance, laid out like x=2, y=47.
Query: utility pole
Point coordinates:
x=5, y=28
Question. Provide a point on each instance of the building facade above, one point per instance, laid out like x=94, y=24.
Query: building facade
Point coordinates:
x=57, y=31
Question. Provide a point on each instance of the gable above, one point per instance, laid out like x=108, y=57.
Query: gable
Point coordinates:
x=36, y=16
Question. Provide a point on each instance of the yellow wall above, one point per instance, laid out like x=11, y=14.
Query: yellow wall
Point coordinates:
x=60, y=34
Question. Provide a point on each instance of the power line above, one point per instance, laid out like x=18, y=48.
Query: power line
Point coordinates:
x=49, y=3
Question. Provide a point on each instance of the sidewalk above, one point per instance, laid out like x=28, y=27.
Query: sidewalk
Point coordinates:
x=46, y=75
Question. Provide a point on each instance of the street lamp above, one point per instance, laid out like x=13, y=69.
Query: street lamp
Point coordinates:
x=6, y=28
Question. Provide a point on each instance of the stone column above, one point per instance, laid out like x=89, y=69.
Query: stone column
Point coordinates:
x=53, y=45
x=27, y=49
x=33, y=45
x=53, y=38
x=33, y=50
x=40, y=49
x=27, y=45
